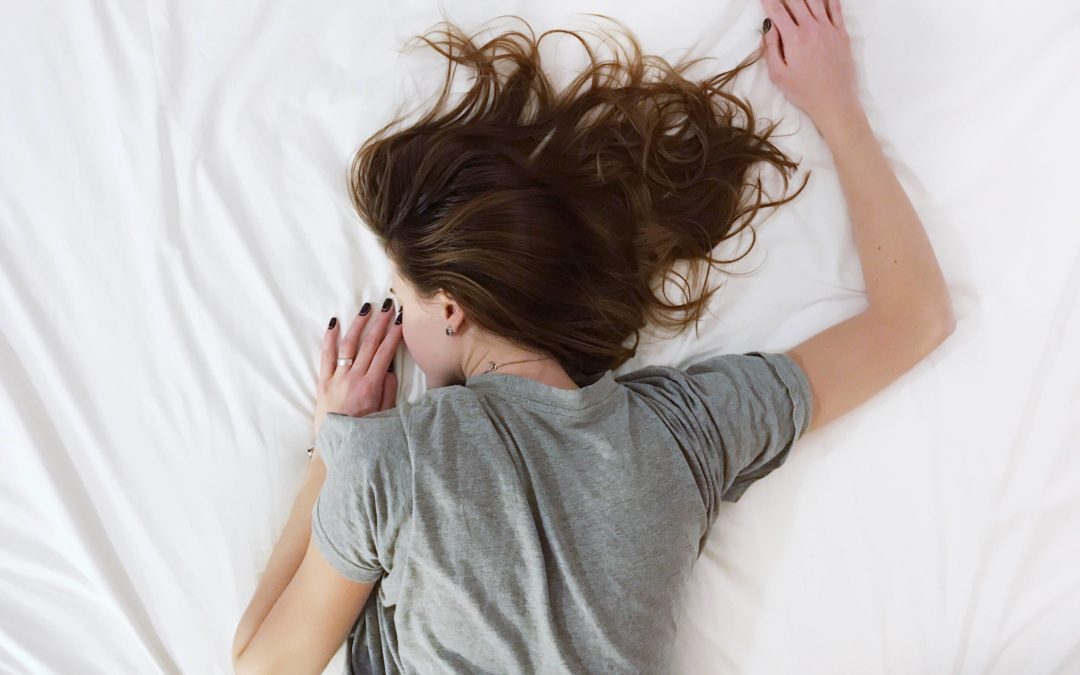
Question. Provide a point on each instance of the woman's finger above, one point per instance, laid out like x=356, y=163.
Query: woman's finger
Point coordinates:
x=371, y=339
x=384, y=355
x=836, y=13
x=778, y=14
x=799, y=11
x=817, y=10
x=390, y=387
x=328, y=362
x=774, y=56
x=348, y=344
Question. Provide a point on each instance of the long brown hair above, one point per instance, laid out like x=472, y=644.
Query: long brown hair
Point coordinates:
x=549, y=215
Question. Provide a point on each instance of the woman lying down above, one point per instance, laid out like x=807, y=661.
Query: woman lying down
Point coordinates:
x=533, y=512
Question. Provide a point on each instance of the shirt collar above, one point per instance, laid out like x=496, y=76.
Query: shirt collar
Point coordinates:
x=523, y=387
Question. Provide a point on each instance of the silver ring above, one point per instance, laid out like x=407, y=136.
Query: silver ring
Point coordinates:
x=344, y=362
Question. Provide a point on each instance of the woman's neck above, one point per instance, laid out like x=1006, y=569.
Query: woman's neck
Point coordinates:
x=544, y=370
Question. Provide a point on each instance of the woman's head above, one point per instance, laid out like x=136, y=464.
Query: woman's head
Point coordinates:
x=424, y=324
x=448, y=346
x=540, y=220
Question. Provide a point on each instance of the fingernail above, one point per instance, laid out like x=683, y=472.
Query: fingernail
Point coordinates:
x=386, y=304
x=333, y=322
x=397, y=321
x=766, y=25
x=365, y=309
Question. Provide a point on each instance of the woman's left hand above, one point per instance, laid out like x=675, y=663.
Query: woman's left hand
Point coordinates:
x=364, y=386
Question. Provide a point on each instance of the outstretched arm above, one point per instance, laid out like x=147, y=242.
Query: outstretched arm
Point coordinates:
x=910, y=313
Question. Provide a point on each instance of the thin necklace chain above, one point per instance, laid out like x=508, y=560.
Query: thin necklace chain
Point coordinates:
x=492, y=365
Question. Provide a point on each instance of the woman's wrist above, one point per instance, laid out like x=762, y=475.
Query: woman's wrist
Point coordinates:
x=843, y=123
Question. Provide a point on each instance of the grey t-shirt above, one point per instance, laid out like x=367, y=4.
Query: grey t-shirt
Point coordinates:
x=517, y=527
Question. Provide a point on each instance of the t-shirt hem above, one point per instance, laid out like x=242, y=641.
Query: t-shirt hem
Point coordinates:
x=342, y=564
x=798, y=389
x=798, y=386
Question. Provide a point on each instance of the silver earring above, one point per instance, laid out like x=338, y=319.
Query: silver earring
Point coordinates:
x=449, y=330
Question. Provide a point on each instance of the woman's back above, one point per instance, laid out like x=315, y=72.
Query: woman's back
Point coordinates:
x=526, y=528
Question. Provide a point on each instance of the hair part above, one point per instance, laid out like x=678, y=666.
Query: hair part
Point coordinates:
x=549, y=215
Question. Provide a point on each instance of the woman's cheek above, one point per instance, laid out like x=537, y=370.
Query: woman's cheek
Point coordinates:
x=412, y=339
x=423, y=348
x=405, y=334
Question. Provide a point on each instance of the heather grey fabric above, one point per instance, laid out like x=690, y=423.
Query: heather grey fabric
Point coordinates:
x=515, y=527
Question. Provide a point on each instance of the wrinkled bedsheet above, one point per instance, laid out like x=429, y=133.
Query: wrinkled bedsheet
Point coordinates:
x=176, y=234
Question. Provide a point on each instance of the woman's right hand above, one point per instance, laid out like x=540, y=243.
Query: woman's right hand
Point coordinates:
x=809, y=58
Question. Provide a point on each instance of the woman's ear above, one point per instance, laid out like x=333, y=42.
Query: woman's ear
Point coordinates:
x=451, y=311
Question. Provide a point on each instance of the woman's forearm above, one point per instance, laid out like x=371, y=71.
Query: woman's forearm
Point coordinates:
x=286, y=558
x=900, y=269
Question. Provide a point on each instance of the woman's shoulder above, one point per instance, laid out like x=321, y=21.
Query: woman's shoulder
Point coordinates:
x=347, y=440
x=438, y=402
x=392, y=428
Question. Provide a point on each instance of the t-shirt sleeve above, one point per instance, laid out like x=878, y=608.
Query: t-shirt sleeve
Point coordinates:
x=737, y=416
x=366, y=497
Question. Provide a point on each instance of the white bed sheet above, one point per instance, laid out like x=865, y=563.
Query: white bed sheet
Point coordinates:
x=176, y=235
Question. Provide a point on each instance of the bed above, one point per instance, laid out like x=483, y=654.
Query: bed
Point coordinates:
x=176, y=235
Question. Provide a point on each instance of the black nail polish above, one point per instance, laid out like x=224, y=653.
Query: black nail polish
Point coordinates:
x=333, y=322
x=386, y=304
x=397, y=321
x=365, y=309
x=766, y=25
